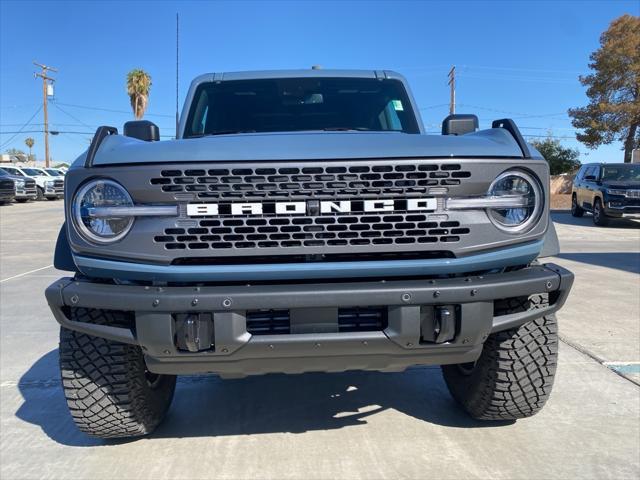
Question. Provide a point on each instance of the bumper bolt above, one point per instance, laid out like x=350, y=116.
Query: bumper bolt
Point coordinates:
x=74, y=299
x=155, y=303
x=224, y=350
x=548, y=285
x=474, y=292
x=406, y=297
x=436, y=294
x=226, y=303
x=194, y=302
x=409, y=344
x=167, y=352
x=317, y=345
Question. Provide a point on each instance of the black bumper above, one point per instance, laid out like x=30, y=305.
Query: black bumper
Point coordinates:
x=236, y=352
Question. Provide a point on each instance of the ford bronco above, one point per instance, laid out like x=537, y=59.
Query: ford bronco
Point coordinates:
x=303, y=221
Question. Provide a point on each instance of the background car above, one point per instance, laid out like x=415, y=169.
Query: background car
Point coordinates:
x=46, y=186
x=7, y=189
x=24, y=187
x=607, y=190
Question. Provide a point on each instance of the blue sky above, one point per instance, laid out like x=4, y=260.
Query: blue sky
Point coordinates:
x=515, y=59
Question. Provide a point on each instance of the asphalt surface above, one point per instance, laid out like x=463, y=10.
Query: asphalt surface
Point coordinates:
x=351, y=425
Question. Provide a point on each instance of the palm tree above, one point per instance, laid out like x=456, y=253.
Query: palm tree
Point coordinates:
x=138, y=87
x=29, y=143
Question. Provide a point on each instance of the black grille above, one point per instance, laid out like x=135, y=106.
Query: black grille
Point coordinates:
x=320, y=231
x=6, y=185
x=29, y=183
x=268, y=322
x=380, y=180
x=351, y=319
x=58, y=183
x=362, y=319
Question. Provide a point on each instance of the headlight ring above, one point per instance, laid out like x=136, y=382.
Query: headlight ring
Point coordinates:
x=520, y=219
x=101, y=193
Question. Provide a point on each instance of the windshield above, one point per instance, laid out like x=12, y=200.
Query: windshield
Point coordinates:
x=3, y=173
x=621, y=173
x=14, y=171
x=52, y=172
x=32, y=172
x=297, y=104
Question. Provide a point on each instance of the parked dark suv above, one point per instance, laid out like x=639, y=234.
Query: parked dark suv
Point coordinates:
x=608, y=190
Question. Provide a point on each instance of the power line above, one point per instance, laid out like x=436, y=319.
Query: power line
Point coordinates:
x=22, y=128
x=86, y=107
x=71, y=116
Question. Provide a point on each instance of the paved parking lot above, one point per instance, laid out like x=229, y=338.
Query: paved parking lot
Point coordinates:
x=351, y=425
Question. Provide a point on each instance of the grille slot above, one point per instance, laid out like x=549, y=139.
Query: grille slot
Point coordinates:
x=310, y=182
x=322, y=231
x=350, y=319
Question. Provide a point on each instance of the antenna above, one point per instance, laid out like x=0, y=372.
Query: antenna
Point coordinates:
x=177, y=69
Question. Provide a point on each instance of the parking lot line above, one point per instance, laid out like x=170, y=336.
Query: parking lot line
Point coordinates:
x=25, y=273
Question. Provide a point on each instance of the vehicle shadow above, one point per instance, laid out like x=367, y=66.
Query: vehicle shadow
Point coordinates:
x=625, y=261
x=565, y=218
x=207, y=406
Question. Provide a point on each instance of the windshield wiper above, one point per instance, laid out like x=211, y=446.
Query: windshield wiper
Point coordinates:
x=220, y=132
x=346, y=129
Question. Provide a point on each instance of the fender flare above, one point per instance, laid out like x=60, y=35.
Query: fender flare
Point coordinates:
x=62, y=258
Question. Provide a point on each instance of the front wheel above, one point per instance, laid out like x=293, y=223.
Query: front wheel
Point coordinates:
x=109, y=391
x=576, y=210
x=599, y=217
x=39, y=194
x=513, y=377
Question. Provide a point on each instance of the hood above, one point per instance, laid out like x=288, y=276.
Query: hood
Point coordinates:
x=118, y=149
x=623, y=185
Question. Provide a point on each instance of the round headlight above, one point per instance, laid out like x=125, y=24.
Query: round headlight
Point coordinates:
x=93, y=225
x=516, y=183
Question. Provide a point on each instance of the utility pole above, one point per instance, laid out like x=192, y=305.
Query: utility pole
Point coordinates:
x=452, y=85
x=46, y=80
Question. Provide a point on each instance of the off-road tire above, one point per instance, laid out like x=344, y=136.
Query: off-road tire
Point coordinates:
x=39, y=194
x=514, y=375
x=576, y=210
x=109, y=392
x=599, y=217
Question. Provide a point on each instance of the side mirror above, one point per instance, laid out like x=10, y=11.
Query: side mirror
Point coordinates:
x=459, y=124
x=590, y=178
x=142, y=130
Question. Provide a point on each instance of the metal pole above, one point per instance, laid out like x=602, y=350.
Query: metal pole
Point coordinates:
x=452, y=85
x=46, y=123
x=45, y=79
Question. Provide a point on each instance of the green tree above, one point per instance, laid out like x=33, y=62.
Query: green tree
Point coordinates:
x=613, y=112
x=561, y=159
x=138, y=88
x=29, y=142
x=14, y=151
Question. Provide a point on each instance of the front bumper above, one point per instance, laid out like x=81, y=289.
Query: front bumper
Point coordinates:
x=54, y=192
x=26, y=194
x=237, y=353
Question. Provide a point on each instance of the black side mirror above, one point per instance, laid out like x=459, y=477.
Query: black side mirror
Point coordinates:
x=459, y=124
x=142, y=130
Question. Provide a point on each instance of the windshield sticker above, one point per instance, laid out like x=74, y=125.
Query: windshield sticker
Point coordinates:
x=397, y=105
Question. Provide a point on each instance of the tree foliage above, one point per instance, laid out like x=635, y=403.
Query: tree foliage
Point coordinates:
x=138, y=88
x=14, y=151
x=613, y=112
x=561, y=159
x=29, y=142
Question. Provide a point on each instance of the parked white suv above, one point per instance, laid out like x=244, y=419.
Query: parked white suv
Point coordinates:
x=47, y=186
